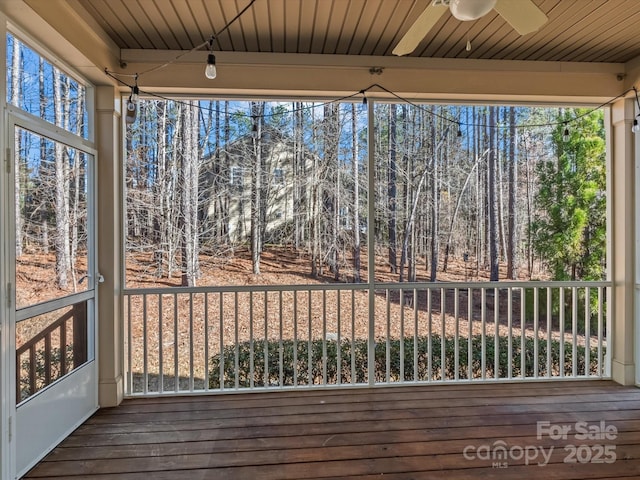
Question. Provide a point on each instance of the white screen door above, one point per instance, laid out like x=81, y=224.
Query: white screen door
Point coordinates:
x=51, y=224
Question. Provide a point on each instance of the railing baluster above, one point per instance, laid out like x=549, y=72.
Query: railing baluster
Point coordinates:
x=280, y=344
x=415, y=335
x=129, y=346
x=429, y=337
x=456, y=366
x=354, y=377
x=549, y=330
x=310, y=341
x=63, y=349
x=252, y=366
x=206, y=341
x=32, y=368
x=523, y=325
x=536, y=327
x=483, y=333
x=401, y=379
x=387, y=375
x=470, y=333
x=176, y=341
x=443, y=334
x=496, y=334
x=574, y=331
x=600, y=332
x=339, y=342
x=587, y=332
x=160, y=345
x=47, y=360
x=266, y=340
x=510, y=333
x=295, y=339
x=145, y=347
x=79, y=322
x=561, y=354
x=324, y=337
x=221, y=333
x=191, y=358
x=236, y=365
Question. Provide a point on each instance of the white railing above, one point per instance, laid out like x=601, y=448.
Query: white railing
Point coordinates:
x=262, y=337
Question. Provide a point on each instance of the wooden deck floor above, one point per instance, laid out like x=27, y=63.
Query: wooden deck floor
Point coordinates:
x=395, y=433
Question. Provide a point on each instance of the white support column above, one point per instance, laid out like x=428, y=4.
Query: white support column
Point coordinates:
x=621, y=339
x=110, y=261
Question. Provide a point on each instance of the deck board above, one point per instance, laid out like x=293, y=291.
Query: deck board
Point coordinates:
x=400, y=433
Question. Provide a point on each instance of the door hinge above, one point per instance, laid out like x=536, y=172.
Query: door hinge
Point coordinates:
x=7, y=159
x=10, y=425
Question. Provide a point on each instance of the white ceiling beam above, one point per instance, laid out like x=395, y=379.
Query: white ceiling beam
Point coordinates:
x=337, y=75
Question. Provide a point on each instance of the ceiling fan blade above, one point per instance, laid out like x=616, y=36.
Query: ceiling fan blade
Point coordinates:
x=524, y=16
x=419, y=29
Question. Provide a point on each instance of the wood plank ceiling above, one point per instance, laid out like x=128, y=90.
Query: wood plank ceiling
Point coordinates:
x=577, y=30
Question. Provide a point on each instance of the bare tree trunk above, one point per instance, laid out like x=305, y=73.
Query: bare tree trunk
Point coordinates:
x=500, y=149
x=414, y=207
x=226, y=193
x=457, y=209
x=298, y=160
x=392, y=191
x=160, y=186
x=256, y=188
x=75, y=175
x=493, y=199
x=435, y=208
x=15, y=100
x=44, y=215
x=62, y=240
x=189, y=195
x=513, y=189
x=356, y=197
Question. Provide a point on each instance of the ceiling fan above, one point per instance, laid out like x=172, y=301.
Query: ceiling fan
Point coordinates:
x=523, y=15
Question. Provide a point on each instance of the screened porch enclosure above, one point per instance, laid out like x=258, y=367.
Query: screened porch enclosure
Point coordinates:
x=286, y=244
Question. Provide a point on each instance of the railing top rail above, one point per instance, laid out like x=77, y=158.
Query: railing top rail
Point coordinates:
x=245, y=288
x=489, y=285
x=363, y=286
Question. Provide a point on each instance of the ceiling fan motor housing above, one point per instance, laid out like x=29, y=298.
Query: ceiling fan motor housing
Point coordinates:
x=470, y=9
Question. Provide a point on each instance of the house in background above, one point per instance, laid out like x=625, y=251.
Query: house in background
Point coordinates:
x=228, y=180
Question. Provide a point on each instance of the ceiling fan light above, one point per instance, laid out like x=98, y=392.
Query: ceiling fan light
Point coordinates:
x=470, y=9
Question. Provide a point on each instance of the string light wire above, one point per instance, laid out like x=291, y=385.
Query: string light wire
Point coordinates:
x=362, y=93
x=206, y=43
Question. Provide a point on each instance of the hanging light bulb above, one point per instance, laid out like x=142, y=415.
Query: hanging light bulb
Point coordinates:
x=210, y=70
x=566, y=136
x=130, y=116
x=364, y=100
x=131, y=106
x=635, y=128
x=135, y=94
x=468, y=48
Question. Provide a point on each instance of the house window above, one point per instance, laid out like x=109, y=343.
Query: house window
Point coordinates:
x=278, y=176
x=236, y=176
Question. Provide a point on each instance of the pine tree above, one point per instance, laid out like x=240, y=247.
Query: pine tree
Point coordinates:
x=569, y=232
